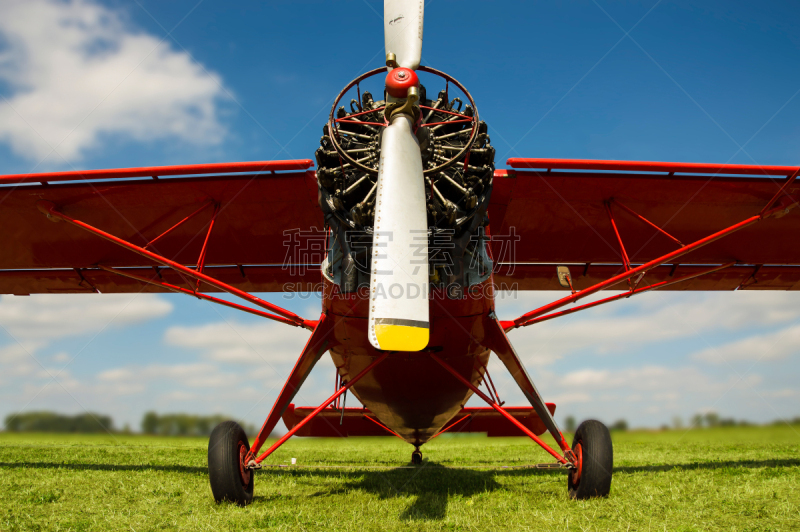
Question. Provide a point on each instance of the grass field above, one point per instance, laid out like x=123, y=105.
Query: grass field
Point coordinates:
x=710, y=479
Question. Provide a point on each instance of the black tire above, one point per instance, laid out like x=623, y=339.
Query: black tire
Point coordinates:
x=230, y=480
x=416, y=458
x=593, y=448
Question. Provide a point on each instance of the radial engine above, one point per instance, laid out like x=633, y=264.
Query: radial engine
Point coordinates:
x=458, y=163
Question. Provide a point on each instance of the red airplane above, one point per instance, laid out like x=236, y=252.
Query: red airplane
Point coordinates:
x=415, y=230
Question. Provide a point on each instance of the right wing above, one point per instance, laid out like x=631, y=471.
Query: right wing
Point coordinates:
x=548, y=212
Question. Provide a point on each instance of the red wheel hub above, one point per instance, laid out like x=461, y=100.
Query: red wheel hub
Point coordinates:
x=576, y=474
x=399, y=80
x=244, y=471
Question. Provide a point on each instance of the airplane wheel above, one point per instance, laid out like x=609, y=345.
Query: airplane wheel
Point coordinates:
x=593, y=449
x=230, y=479
x=416, y=457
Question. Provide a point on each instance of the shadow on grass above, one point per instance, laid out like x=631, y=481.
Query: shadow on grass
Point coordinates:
x=720, y=464
x=431, y=484
x=106, y=467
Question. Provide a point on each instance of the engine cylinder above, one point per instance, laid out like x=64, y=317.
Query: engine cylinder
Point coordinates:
x=458, y=184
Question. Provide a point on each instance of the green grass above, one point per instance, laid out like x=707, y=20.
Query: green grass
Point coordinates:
x=712, y=479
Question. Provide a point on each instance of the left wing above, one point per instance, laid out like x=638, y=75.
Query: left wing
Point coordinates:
x=264, y=213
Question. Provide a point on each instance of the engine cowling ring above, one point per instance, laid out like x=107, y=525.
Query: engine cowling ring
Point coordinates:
x=458, y=159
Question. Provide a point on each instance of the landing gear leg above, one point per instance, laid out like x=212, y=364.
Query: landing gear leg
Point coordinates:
x=416, y=457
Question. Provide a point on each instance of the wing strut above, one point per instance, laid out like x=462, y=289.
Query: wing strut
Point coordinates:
x=655, y=286
x=497, y=341
x=49, y=209
x=319, y=342
x=180, y=290
x=562, y=443
x=255, y=462
x=784, y=205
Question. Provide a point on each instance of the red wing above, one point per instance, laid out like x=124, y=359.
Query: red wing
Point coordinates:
x=558, y=211
x=247, y=247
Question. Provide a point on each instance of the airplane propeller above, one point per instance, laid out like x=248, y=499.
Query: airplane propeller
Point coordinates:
x=398, y=312
x=402, y=31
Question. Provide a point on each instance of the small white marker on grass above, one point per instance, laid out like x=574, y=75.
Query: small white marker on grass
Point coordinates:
x=294, y=461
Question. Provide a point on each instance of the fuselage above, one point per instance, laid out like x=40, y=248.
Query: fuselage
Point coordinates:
x=409, y=392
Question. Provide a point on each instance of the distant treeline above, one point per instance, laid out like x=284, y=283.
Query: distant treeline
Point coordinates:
x=176, y=424
x=697, y=421
x=712, y=419
x=570, y=424
x=185, y=424
x=52, y=422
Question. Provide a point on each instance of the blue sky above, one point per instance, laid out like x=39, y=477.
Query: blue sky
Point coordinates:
x=91, y=85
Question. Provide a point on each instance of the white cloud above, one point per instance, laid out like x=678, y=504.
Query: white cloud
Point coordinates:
x=78, y=71
x=29, y=324
x=198, y=375
x=649, y=395
x=650, y=318
x=776, y=345
x=179, y=396
x=653, y=382
x=49, y=316
x=61, y=357
x=784, y=393
x=253, y=343
x=564, y=399
x=16, y=361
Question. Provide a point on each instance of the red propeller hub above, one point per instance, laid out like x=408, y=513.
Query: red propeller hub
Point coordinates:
x=399, y=80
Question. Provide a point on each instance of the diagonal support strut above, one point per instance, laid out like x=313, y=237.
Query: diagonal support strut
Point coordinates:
x=48, y=208
x=498, y=342
x=501, y=411
x=312, y=415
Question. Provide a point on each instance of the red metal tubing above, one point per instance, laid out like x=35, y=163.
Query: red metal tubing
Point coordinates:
x=316, y=344
x=500, y=410
x=648, y=222
x=200, y=295
x=319, y=409
x=344, y=119
x=625, y=260
x=384, y=427
x=450, y=426
x=202, y=258
x=492, y=394
x=650, y=166
x=154, y=171
x=489, y=378
x=359, y=123
x=644, y=267
x=428, y=171
x=50, y=209
x=448, y=122
x=445, y=111
x=624, y=295
x=787, y=184
x=195, y=213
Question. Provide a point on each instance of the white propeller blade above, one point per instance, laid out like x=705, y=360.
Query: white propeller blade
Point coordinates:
x=398, y=312
x=402, y=30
